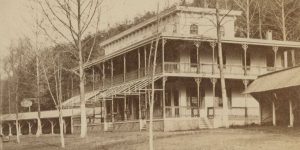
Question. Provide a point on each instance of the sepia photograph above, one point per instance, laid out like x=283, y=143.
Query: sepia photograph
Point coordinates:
x=149, y=74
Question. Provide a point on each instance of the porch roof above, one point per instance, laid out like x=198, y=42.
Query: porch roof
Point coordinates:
x=275, y=80
x=121, y=89
x=48, y=114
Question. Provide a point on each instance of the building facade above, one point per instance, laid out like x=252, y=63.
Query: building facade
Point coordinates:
x=187, y=77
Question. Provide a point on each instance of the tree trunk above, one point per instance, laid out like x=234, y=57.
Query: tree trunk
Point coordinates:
x=17, y=118
x=83, y=130
x=39, y=123
x=283, y=21
x=260, y=22
x=61, y=125
x=248, y=19
x=222, y=78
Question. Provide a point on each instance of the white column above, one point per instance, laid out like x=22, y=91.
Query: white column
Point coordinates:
x=29, y=127
x=245, y=47
x=198, y=82
x=213, y=45
x=197, y=44
x=273, y=113
x=260, y=113
x=285, y=59
x=72, y=124
x=275, y=49
x=20, y=128
x=9, y=129
x=291, y=114
x=65, y=126
x=246, y=82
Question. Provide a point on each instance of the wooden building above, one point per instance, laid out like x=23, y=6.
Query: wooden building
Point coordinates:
x=187, y=79
x=278, y=94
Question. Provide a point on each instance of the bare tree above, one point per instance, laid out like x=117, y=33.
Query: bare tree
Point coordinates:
x=220, y=57
x=71, y=20
x=283, y=10
x=261, y=4
x=245, y=6
x=52, y=71
x=14, y=66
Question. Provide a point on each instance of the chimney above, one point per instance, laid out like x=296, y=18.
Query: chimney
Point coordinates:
x=269, y=35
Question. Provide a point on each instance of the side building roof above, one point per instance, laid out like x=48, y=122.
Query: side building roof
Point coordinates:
x=276, y=80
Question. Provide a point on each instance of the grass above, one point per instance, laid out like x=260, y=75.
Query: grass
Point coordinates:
x=247, y=138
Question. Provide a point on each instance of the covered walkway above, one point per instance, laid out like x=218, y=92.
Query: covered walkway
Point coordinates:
x=278, y=94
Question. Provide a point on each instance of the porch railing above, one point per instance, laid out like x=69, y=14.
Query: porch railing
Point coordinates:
x=209, y=68
x=181, y=111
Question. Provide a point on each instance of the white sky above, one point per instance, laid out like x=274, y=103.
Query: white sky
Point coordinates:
x=15, y=16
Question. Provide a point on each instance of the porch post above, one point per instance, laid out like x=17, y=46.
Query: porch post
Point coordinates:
x=273, y=113
x=52, y=126
x=198, y=82
x=29, y=127
x=125, y=109
x=245, y=82
x=111, y=72
x=124, y=67
x=275, y=49
x=64, y=126
x=245, y=48
x=20, y=128
x=285, y=59
x=260, y=112
x=139, y=64
x=104, y=100
x=214, y=81
x=293, y=58
x=213, y=45
x=72, y=124
x=197, y=44
x=291, y=113
x=140, y=111
x=164, y=41
x=164, y=80
x=145, y=60
x=9, y=129
x=112, y=109
x=132, y=115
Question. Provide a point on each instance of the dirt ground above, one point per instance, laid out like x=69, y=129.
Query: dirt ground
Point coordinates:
x=258, y=138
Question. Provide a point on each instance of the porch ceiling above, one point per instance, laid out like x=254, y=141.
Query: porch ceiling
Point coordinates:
x=276, y=80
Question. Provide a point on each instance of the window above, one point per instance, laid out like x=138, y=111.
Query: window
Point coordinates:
x=193, y=55
x=193, y=29
x=270, y=60
x=192, y=96
x=174, y=28
x=168, y=97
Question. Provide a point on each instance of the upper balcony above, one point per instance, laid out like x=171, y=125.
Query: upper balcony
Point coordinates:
x=212, y=70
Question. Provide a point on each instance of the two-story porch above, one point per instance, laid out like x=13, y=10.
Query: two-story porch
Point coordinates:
x=187, y=83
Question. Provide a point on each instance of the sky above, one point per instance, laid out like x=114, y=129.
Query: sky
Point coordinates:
x=16, y=16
